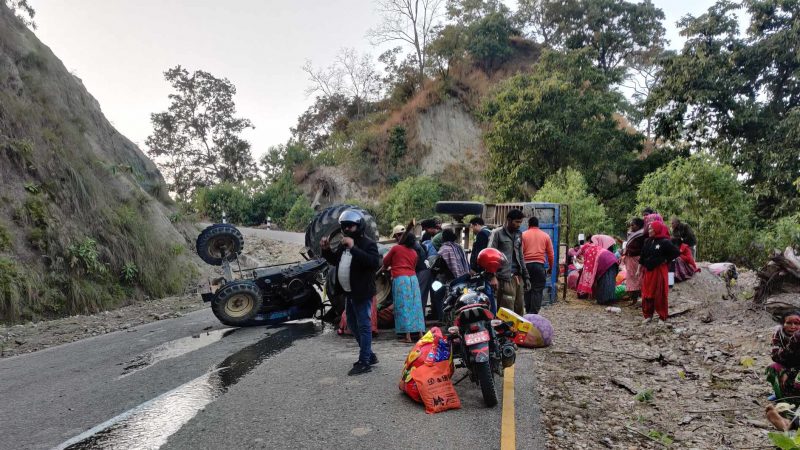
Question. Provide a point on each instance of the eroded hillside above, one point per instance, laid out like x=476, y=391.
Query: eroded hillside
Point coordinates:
x=85, y=218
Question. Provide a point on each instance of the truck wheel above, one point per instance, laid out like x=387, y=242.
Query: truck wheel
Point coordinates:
x=326, y=223
x=460, y=208
x=486, y=381
x=217, y=240
x=237, y=303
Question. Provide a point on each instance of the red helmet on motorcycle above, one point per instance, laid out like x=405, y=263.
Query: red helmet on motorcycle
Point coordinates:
x=491, y=259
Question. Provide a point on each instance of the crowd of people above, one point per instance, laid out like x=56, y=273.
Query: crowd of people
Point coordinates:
x=648, y=255
x=599, y=266
x=527, y=259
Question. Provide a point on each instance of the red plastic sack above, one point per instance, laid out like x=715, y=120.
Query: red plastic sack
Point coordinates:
x=430, y=363
x=436, y=387
x=343, y=329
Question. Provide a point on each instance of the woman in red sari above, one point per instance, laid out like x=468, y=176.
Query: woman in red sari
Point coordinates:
x=657, y=252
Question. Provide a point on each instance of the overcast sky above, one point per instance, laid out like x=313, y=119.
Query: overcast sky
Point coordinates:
x=120, y=49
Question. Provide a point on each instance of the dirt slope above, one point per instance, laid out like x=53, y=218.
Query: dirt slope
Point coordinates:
x=85, y=219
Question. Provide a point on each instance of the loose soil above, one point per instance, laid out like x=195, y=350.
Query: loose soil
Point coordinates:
x=33, y=336
x=609, y=381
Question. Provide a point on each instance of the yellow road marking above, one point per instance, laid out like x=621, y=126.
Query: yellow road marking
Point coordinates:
x=508, y=432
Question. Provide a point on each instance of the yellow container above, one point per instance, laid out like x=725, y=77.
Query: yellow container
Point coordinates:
x=518, y=323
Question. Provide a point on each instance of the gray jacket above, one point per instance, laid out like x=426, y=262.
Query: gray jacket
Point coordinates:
x=511, y=246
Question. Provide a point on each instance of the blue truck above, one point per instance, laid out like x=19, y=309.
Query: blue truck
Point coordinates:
x=553, y=219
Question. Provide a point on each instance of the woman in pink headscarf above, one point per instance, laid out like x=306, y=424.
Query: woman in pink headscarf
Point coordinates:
x=600, y=269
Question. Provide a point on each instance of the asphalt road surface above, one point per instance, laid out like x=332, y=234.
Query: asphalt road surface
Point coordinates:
x=192, y=383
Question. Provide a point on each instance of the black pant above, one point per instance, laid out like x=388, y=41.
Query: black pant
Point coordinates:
x=533, y=298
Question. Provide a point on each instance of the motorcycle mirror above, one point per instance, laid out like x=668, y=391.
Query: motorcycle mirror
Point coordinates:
x=436, y=286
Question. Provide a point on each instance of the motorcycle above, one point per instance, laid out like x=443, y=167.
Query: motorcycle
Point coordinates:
x=482, y=343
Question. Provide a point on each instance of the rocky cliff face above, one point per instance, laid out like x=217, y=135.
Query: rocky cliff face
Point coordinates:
x=85, y=219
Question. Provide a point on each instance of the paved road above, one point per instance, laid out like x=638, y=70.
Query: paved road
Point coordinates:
x=191, y=383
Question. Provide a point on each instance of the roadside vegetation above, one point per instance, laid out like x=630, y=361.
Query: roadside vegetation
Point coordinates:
x=78, y=221
x=580, y=102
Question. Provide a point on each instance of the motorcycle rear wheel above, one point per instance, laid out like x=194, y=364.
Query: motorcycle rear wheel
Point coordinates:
x=483, y=371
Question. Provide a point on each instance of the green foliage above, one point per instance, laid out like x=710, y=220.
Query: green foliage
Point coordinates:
x=414, y=197
x=197, y=142
x=785, y=441
x=36, y=211
x=618, y=33
x=19, y=151
x=300, y=215
x=33, y=188
x=5, y=239
x=447, y=48
x=397, y=143
x=489, y=42
x=563, y=114
x=129, y=273
x=708, y=197
x=782, y=233
x=15, y=287
x=281, y=160
x=223, y=199
x=644, y=396
x=587, y=215
x=661, y=437
x=84, y=258
x=468, y=12
x=737, y=96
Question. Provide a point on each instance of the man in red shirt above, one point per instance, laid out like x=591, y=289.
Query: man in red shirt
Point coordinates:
x=536, y=245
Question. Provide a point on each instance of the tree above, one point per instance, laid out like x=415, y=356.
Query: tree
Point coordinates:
x=587, y=215
x=408, y=21
x=280, y=161
x=561, y=114
x=325, y=116
x=414, y=197
x=532, y=18
x=402, y=77
x=616, y=31
x=352, y=76
x=196, y=141
x=448, y=48
x=467, y=12
x=706, y=195
x=489, y=40
x=738, y=97
x=23, y=11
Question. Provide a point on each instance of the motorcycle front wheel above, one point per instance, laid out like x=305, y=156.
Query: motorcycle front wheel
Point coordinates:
x=483, y=371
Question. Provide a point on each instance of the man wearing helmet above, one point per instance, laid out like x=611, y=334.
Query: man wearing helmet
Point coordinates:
x=356, y=261
x=512, y=277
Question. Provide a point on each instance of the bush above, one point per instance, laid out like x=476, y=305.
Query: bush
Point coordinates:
x=225, y=198
x=707, y=196
x=782, y=233
x=569, y=187
x=300, y=215
x=15, y=289
x=84, y=257
x=414, y=197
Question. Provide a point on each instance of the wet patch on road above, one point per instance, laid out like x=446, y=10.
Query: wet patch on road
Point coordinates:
x=174, y=349
x=149, y=425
